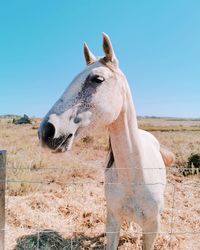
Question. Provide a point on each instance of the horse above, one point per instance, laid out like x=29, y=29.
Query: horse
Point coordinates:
x=135, y=175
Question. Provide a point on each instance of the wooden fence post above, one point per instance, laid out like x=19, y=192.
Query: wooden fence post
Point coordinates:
x=2, y=197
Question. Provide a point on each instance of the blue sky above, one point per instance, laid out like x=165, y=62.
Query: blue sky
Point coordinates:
x=157, y=44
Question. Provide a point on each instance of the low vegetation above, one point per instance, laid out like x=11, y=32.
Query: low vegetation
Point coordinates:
x=193, y=166
x=45, y=240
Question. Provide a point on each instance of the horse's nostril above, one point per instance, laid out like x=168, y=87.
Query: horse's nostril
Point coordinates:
x=48, y=131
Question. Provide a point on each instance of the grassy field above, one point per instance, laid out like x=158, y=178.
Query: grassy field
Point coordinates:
x=65, y=192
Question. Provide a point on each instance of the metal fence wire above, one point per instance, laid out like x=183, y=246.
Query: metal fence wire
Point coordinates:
x=38, y=237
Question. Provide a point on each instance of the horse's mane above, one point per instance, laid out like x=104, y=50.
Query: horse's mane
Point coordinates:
x=111, y=156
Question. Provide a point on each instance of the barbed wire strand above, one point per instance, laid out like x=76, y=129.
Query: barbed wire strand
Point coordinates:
x=170, y=232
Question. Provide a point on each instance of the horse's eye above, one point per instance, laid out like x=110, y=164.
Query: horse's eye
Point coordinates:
x=77, y=119
x=97, y=79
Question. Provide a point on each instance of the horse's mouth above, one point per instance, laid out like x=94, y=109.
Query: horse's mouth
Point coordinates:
x=60, y=144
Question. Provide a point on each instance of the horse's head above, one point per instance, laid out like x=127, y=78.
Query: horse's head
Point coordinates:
x=94, y=97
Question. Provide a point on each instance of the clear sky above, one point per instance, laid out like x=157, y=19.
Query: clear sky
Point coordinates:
x=157, y=44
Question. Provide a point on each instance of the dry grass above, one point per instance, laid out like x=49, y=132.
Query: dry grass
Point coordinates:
x=64, y=193
x=28, y=162
x=182, y=137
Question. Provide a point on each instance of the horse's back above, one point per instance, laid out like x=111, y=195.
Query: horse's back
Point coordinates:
x=153, y=165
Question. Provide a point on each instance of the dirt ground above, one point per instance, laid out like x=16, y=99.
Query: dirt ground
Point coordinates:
x=65, y=193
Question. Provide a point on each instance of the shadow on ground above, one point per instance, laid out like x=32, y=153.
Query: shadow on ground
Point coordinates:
x=52, y=240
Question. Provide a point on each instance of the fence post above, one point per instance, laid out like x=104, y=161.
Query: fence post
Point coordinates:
x=2, y=197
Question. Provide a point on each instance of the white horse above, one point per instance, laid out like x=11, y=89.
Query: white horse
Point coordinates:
x=135, y=173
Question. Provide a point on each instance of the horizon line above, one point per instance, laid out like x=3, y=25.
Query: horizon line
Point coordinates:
x=138, y=116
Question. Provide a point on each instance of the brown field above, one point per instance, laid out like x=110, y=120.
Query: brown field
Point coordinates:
x=65, y=192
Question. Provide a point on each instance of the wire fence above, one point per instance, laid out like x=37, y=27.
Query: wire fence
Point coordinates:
x=38, y=237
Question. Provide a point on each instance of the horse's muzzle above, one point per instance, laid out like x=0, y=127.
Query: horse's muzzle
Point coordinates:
x=46, y=134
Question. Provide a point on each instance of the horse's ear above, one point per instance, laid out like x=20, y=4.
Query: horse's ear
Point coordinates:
x=108, y=50
x=89, y=57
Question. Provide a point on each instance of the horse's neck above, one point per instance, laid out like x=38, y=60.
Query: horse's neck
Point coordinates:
x=125, y=142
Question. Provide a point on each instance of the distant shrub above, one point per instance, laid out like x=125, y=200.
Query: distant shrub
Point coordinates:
x=193, y=165
x=195, y=160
